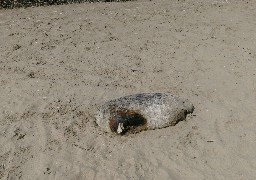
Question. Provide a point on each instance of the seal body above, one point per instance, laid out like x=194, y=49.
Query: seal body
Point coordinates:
x=142, y=111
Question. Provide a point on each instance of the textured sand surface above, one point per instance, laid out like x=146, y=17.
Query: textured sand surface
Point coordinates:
x=57, y=63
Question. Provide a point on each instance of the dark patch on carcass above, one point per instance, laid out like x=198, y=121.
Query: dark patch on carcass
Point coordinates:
x=131, y=121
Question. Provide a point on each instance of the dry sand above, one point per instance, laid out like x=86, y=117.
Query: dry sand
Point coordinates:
x=58, y=63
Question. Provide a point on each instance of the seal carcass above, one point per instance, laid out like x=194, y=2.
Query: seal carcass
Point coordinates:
x=142, y=111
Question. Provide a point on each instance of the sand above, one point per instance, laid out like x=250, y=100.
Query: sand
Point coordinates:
x=58, y=63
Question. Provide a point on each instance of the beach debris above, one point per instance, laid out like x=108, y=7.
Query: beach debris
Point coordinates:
x=138, y=112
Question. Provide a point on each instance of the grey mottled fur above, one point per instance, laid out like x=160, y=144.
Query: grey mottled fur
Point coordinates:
x=159, y=109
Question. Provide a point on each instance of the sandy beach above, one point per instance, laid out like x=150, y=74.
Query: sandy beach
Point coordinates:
x=58, y=63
